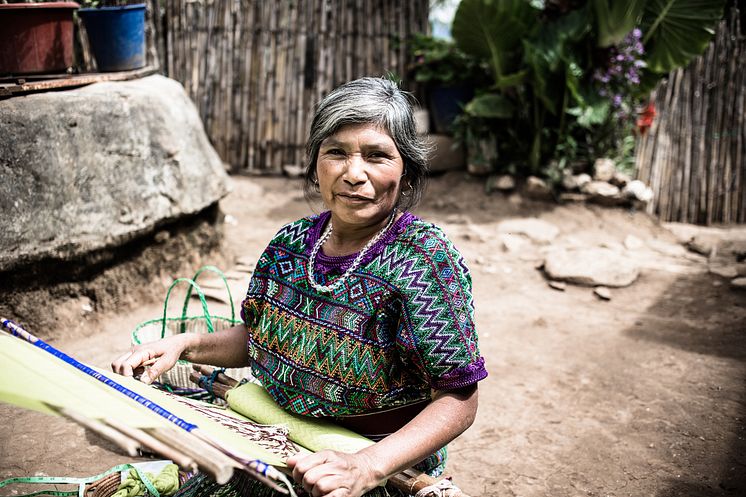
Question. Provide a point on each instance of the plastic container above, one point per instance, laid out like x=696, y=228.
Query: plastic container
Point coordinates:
x=117, y=36
x=36, y=38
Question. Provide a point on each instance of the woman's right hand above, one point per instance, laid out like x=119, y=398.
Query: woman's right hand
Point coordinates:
x=157, y=357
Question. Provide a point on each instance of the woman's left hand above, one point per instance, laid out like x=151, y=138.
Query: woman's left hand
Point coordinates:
x=335, y=474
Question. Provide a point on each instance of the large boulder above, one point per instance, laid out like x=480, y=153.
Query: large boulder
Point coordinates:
x=95, y=167
x=591, y=267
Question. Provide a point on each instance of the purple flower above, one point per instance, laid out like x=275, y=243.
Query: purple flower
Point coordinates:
x=617, y=100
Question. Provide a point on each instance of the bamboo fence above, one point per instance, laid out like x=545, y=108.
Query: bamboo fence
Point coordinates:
x=255, y=68
x=694, y=156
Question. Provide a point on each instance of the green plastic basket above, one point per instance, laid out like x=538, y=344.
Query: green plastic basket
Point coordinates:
x=152, y=330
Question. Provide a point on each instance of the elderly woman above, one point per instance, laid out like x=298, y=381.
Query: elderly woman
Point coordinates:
x=362, y=314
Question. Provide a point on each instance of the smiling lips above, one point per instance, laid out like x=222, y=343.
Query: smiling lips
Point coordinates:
x=354, y=197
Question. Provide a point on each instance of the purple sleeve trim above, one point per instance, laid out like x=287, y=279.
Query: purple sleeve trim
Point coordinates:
x=461, y=377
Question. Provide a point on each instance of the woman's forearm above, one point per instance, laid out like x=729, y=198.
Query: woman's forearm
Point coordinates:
x=224, y=348
x=446, y=417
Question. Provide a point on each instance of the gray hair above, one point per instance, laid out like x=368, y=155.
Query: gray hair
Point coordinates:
x=376, y=101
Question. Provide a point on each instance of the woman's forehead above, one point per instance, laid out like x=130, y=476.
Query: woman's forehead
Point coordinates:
x=368, y=133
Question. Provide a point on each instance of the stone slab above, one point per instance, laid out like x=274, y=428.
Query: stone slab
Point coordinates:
x=94, y=167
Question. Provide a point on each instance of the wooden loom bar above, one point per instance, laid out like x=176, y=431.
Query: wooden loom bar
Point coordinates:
x=255, y=468
x=128, y=444
x=157, y=446
x=410, y=481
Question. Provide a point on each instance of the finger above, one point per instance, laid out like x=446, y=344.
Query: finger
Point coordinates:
x=132, y=361
x=338, y=492
x=118, y=364
x=330, y=484
x=292, y=460
x=302, y=464
x=156, y=369
x=324, y=478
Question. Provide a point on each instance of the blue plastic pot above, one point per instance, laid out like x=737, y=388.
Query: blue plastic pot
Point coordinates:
x=117, y=36
x=445, y=104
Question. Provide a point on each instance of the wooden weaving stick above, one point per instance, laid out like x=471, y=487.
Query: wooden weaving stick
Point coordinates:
x=257, y=469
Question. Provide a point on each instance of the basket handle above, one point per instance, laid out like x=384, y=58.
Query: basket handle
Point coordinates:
x=192, y=284
x=189, y=293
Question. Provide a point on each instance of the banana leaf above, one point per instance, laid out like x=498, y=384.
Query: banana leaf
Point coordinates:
x=493, y=30
x=615, y=19
x=676, y=31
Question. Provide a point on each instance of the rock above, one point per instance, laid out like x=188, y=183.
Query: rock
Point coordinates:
x=600, y=189
x=667, y=248
x=162, y=236
x=638, y=190
x=602, y=292
x=724, y=271
x=515, y=199
x=457, y=219
x=536, y=229
x=603, y=170
x=293, y=171
x=620, y=179
x=137, y=157
x=741, y=268
x=591, y=267
x=446, y=154
x=575, y=181
x=615, y=246
x=474, y=232
x=704, y=244
x=537, y=188
x=514, y=244
x=501, y=183
x=557, y=285
x=738, y=283
x=631, y=242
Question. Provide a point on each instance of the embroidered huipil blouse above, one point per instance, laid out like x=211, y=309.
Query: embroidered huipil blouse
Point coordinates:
x=400, y=326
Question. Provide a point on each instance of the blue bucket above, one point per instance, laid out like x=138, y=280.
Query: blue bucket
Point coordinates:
x=117, y=36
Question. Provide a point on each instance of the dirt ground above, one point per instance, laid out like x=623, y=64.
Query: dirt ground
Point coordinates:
x=641, y=395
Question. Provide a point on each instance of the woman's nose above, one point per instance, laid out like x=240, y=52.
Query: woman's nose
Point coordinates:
x=355, y=171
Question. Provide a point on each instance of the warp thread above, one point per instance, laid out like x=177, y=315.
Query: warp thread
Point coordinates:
x=444, y=488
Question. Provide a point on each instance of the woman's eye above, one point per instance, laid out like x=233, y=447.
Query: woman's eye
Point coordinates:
x=335, y=151
x=378, y=155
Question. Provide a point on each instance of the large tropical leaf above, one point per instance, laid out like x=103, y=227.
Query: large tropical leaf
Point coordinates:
x=552, y=54
x=676, y=31
x=615, y=19
x=493, y=30
x=490, y=105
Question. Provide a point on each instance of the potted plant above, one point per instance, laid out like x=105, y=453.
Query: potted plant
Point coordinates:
x=36, y=37
x=564, y=73
x=449, y=76
x=116, y=33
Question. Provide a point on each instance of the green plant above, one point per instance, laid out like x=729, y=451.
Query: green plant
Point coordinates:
x=566, y=75
x=438, y=61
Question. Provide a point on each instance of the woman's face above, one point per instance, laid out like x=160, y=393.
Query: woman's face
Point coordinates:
x=359, y=170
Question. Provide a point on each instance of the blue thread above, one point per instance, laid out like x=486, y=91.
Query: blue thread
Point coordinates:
x=15, y=330
x=7, y=324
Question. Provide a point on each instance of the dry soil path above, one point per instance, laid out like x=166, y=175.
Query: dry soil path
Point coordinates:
x=642, y=395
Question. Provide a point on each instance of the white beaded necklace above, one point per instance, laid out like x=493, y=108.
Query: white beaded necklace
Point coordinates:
x=317, y=246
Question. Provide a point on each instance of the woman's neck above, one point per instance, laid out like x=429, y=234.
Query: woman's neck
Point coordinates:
x=347, y=239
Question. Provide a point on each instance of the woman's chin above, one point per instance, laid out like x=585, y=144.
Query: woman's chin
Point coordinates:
x=362, y=214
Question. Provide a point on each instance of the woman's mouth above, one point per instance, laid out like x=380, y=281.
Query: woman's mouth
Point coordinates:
x=351, y=197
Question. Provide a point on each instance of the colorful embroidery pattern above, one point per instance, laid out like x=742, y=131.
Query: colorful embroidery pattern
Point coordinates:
x=401, y=325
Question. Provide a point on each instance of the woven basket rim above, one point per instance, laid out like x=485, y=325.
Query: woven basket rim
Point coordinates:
x=160, y=321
